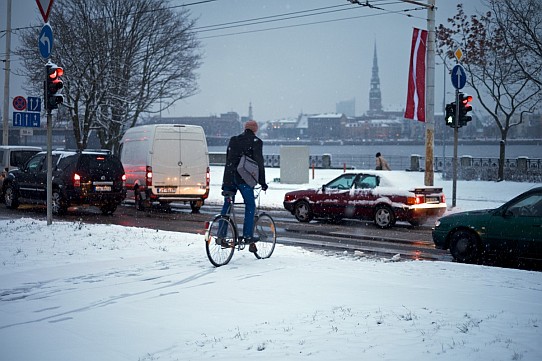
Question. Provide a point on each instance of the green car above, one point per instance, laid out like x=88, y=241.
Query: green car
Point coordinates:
x=513, y=229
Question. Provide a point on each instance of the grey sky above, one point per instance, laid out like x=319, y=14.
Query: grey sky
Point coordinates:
x=293, y=69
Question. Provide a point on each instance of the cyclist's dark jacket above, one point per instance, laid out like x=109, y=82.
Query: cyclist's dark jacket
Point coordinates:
x=245, y=143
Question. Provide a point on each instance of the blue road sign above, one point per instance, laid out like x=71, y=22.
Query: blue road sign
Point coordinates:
x=33, y=104
x=459, y=77
x=45, y=41
x=26, y=119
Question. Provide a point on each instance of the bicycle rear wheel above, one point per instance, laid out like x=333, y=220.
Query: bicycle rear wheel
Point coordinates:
x=220, y=240
x=264, y=227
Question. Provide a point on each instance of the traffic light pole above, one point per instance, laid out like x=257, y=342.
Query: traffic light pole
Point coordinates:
x=456, y=136
x=49, y=168
x=49, y=149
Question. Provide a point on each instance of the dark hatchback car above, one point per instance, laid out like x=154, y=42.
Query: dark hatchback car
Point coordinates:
x=93, y=178
x=371, y=195
x=513, y=229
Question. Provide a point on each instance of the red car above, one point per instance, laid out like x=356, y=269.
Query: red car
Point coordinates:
x=371, y=195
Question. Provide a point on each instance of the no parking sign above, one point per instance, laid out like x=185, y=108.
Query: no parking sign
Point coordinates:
x=19, y=103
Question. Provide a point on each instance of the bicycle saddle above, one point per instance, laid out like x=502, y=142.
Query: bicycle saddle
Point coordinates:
x=228, y=193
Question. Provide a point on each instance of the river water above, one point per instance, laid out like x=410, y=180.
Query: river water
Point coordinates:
x=393, y=151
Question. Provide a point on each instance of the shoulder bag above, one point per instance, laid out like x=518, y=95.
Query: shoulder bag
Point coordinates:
x=248, y=170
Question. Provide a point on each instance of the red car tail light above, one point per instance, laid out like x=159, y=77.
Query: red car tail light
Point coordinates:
x=417, y=199
x=148, y=176
x=76, y=180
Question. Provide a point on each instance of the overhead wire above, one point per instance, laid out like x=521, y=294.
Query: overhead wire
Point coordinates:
x=255, y=21
x=374, y=4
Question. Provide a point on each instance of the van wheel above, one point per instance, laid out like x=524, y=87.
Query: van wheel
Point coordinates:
x=58, y=204
x=139, y=203
x=196, y=205
x=11, y=199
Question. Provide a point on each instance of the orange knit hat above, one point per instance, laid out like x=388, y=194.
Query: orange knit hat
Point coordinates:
x=252, y=125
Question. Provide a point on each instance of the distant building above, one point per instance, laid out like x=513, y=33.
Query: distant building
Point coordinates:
x=326, y=126
x=283, y=129
x=347, y=107
x=224, y=126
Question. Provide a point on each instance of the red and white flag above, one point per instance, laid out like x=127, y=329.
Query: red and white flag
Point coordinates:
x=415, y=108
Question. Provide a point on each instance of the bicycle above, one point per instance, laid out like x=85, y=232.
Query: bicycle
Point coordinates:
x=222, y=234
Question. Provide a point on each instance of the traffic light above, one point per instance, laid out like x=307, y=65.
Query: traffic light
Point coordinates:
x=53, y=85
x=449, y=117
x=464, y=108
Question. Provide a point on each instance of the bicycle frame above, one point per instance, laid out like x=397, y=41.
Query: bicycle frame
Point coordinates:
x=231, y=213
x=222, y=235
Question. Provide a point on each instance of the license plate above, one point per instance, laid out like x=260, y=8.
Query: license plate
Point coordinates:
x=432, y=200
x=103, y=188
x=166, y=190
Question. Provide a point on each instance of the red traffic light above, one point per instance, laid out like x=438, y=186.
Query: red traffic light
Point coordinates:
x=56, y=72
x=53, y=85
x=466, y=99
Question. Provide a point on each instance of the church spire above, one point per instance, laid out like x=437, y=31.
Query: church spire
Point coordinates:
x=375, y=98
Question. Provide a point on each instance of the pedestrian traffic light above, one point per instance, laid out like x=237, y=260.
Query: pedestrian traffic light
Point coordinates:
x=449, y=117
x=464, y=108
x=53, y=85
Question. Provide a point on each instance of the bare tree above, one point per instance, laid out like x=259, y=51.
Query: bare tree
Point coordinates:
x=521, y=21
x=502, y=88
x=121, y=59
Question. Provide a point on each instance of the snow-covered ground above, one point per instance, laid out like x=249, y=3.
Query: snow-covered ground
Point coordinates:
x=73, y=291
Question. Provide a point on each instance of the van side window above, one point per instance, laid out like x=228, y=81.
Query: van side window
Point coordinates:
x=134, y=153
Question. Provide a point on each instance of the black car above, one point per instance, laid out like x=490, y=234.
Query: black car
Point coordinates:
x=79, y=178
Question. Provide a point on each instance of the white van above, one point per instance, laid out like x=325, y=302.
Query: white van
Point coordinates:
x=166, y=163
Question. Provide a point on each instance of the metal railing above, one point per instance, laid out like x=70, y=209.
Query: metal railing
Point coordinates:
x=522, y=169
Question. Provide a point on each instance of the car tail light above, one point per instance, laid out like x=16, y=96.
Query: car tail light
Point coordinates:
x=288, y=198
x=207, y=182
x=123, y=180
x=418, y=199
x=76, y=180
x=148, y=176
x=443, y=199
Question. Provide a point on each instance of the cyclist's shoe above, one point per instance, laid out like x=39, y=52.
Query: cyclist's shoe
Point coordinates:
x=223, y=242
x=253, y=239
x=252, y=248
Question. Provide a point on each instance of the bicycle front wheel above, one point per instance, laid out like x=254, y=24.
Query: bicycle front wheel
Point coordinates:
x=264, y=227
x=220, y=240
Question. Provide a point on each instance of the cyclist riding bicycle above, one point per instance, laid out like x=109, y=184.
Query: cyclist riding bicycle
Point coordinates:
x=246, y=143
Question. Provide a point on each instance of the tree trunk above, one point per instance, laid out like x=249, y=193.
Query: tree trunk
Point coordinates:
x=502, y=157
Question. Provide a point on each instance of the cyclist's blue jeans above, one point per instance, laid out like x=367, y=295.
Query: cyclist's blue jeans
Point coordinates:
x=250, y=208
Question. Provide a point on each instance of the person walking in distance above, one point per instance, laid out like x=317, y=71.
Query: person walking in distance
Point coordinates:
x=381, y=163
x=246, y=143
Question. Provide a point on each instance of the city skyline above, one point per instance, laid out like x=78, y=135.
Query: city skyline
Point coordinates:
x=283, y=68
